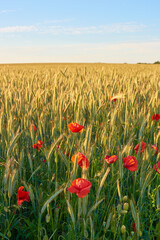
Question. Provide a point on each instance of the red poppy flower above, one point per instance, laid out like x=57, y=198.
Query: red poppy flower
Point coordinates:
x=113, y=100
x=75, y=127
x=101, y=124
x=33, y=126
x=63, y=118
x=80, y=186
x=155, y=148
x=134, y=227
x=82, y=161
x=44, y=160
x=68, y=154
x=157, y=167
x=57, y=147
x=130, y=163
x=143, y=146
x=156, y=117
x=22, y=196
x=38, y=145
x=110, y=159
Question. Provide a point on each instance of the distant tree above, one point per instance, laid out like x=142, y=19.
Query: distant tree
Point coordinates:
x=142, y=63
x=157, y=62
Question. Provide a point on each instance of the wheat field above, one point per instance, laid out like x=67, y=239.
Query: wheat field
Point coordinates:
x=115, y=103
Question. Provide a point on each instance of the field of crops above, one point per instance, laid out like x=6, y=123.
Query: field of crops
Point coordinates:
x=97, y=179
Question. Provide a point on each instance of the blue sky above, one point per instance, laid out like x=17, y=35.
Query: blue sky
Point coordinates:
x=79, y=31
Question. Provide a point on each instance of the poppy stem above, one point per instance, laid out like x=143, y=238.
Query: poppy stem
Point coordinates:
x=85, y=199
x=134, y=183
x=84, y=175
x=159, y=228
x=79, y=207
x=9, y=202
x=124, y=236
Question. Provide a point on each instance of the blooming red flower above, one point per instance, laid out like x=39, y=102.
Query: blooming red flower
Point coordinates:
x=33, y=126
x=134, y=227
x=63, y=118
x=113, y=99
x=57, y=147
x=155, y=148
x=82, y=161
x=38, y=145
x=110, y=159
x=156, y=117
x=75, y=127
x=80, y=186
x=44, y=160
x=22, y=196
x=130, y=163
x=143, y=146
x=68, y=154
x=157, y=167
x=101, y=124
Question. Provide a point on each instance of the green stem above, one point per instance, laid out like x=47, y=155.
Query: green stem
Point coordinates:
x=85, y=199
x=79, y=207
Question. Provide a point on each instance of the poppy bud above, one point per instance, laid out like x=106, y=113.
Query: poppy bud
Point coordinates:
x=125, y=206
x=125, y=198
x=48, y=218
x=123, y=229
x=140, y=233
x=9, y=234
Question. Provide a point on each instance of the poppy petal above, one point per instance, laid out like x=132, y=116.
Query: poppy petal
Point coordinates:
x=130, y=163
x=155, y=148
x=75, y=127
x=80, y=186
x=84, y=192
x=157, y=167
x=111, y=159
x=143, y=146
x=72, y=189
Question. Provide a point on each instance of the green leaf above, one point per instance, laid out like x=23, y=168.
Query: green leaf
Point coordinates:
x=94, y=207
x=13, y=142
x=50, y=199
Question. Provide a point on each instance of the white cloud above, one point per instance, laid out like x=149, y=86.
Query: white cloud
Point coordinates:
x=14, y=29
x=7, y=11
x=58, y=29
x=112, y=28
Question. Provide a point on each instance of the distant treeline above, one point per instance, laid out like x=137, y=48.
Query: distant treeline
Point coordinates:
x=157, y=62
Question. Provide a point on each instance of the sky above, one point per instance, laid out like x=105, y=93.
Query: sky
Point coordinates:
x=118, y=31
